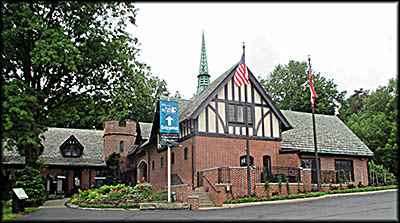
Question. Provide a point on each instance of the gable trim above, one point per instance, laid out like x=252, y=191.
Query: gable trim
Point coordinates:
x=286, y=125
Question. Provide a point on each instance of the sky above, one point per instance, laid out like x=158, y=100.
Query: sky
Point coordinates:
x=355, y=44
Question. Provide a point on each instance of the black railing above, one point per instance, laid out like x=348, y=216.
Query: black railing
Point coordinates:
x=273, y=174
x=211, y=184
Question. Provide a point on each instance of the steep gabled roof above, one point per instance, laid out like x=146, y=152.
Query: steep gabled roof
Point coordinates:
x=191, y=109
x=333, y=136
x=91, y=140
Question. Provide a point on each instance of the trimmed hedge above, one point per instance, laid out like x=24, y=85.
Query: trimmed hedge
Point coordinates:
x=109, y=204
x=306, y=195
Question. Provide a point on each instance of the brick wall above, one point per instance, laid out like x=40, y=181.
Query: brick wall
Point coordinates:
x=359, y=166
x=212, y=152
x=182, y=192
x=225, y=152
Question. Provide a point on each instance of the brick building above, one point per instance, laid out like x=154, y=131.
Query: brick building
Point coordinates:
x=76, y=157
x=212, y=151
x=211, y=157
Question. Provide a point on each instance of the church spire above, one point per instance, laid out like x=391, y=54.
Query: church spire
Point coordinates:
x=203, y=77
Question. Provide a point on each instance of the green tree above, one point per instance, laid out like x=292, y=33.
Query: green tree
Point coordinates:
x=353, y=104
x=375, y=123
x=62, y=61
x=113, y=170
x=288, y=87
x=32, y=182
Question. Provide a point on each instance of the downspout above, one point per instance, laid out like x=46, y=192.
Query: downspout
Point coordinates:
x=192, y=141
x=148, y=166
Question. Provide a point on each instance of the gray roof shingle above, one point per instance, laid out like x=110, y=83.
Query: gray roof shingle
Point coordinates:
x=91, y=140
x=333, y=136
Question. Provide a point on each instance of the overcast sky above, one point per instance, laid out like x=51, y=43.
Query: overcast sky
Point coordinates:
x=353, y=44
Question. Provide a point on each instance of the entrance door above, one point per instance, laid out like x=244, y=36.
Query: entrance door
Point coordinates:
x=77, y=180
x=199, y=179
x=143, y=171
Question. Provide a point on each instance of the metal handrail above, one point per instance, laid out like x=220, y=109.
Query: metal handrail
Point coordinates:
x=211, y=184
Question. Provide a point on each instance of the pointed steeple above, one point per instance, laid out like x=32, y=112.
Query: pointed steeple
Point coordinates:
x=203, y=77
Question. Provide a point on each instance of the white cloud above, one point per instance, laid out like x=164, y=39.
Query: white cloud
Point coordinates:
x=354, y=44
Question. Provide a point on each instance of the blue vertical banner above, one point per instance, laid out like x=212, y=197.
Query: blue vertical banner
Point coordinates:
x=169, y=122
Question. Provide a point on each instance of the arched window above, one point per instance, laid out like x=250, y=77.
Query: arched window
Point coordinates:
x=185, y=156
x=152, y=165
x=243, y=160
x=162, y=162
x=121, y=146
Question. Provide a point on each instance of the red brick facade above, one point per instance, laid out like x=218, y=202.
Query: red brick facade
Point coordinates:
x=210, y=153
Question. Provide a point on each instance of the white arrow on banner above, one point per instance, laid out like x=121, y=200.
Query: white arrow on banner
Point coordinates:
x=169, y=119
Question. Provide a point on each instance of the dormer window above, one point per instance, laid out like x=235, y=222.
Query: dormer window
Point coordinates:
x=71, y=147
x=72, y=150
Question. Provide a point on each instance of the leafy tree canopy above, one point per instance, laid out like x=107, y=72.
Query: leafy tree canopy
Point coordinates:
x=70, y=64
x=373, y=117
x=288, y=87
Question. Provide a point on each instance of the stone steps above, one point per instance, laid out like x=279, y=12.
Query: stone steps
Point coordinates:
x=204, y=200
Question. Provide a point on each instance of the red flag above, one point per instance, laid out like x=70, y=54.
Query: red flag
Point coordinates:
x=241, y=76
x=312, y=90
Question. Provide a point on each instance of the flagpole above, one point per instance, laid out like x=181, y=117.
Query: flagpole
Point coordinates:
x=315, y=135
x=247, y=139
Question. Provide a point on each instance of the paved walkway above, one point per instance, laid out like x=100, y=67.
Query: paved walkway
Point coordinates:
x=58, y=203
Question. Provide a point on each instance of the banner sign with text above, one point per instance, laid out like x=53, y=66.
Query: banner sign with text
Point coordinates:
x=169, y=122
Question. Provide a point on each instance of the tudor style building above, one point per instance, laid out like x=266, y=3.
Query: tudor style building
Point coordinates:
x=212, y=151
x=211, y=157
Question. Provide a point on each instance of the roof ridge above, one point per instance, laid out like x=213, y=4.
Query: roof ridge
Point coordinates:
x=75, y=129
x=308, y=113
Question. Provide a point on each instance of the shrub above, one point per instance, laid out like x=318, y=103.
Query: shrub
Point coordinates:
x=55, y=196
x=266, y=187
x=113, y=170
x=280, y=186
x=32, y=182
x=288, y=188
x=161, y=195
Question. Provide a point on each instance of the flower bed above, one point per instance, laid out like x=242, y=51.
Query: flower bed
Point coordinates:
x=118, y=196
x=306, y=195
x=109, y=204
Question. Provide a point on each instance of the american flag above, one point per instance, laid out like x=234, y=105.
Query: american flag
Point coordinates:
x=312, y=90
x=241, y=76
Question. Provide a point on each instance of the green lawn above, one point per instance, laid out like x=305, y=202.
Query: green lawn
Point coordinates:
x=7, y=215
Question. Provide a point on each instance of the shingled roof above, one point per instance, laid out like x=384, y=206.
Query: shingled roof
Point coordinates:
x=91, y=140
x=333, y=136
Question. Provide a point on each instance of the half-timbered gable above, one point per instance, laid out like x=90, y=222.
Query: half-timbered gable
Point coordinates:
x=220, y=110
